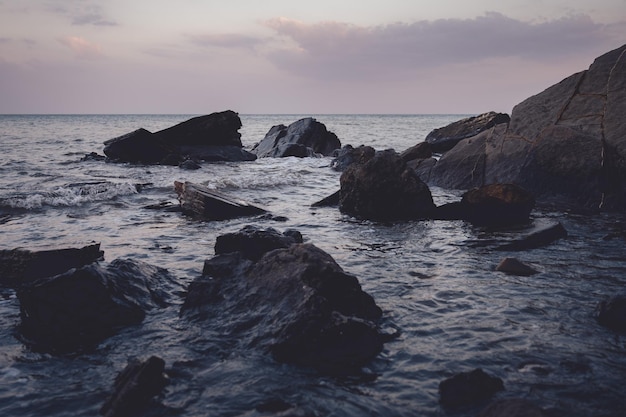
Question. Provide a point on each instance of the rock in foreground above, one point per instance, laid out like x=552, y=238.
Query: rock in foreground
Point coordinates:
x=266, y=290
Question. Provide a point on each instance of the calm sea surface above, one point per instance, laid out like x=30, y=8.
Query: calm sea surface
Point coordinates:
x=435, y=281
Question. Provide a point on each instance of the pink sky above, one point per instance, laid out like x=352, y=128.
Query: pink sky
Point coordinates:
x=277, y=56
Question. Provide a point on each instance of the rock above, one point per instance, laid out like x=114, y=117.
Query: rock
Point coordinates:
x=611, y=313
x=515, y=267
x=189, y=165
x=348, y=155
x=330, y=201
x=565, y=145
x=93, y=156
x=420, y=151
x=81, y=307
x=491, y=205
x=512, y=407
x=541, y=235
x=199, y=201
x=135, y=386
x=212, y=137
x=306, y=137
x=286, y=298
x=20, y=266
x=384, y=189
x=468, y=388
x=445, y=138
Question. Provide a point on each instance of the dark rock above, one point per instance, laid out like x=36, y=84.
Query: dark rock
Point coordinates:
x=445, y=138
x=330, y=201
x=348, y=155
x=491, y=205
x=294, y=302
x=253, y=242
x=199, y=201
x=306, y=137
x=565, y=145
x=541, y=235
x=422, y=150
x=81, y=307
x=384, y=189
x=512, y=407
x=273, y=405
x=611, y=313
x=189, y=165
x=93, y=156
x=212, y=137
x=515, y=267
x=20, y=266
x=468, y=388
x=135, y=386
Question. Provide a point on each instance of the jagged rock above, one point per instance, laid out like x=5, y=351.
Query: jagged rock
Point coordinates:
x=512, y=407
x=212, y=137
x=20, y=266
x=565, y=145
x=290, y=299
x=135, y=386
x=445, y=138
x=611, y=313
x=382, y=188
x=81, y=307
x=491, y=205
x=305, y=137
x=348, y=155
x=468, y=388
x=514, y=266
x=541, y=235
x=199, y=201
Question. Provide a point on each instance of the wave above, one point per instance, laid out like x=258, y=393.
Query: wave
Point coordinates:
x=68, y=195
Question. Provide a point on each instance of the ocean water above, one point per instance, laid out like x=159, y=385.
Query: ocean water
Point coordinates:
x=435, y=281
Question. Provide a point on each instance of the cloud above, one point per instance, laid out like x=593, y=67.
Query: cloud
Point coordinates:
x=226, y=40
x=82, y=14
x=343, y=51
x=82, y=48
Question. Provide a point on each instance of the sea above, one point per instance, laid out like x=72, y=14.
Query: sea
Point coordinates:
x=434, y=280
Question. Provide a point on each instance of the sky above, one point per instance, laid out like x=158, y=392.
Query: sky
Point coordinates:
x=294, y=57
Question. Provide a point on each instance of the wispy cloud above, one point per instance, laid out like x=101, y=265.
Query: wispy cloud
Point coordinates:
x=81, y=14
x=82, y=48
x=341, y=50
x=226, y=40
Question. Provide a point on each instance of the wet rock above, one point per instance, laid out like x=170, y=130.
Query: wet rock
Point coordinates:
x=330, y=201
x=514, y=266
x=541, y=235
x=135, y=386
x=491, y=205
x=305, y=137
x=213, y=137
x=348, y=155
x=468, y=388
x=445, y=138
x=294, y=302
x=512, y=407
x=93, y=156
x=611, y=313
x=382, y=188
x=253, y=242
x=199, y=201
x=422, y=150
x=189, y=165
x=20, y=266
x=81, y=307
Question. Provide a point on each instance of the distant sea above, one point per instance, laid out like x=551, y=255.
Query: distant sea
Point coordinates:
x=435, y=281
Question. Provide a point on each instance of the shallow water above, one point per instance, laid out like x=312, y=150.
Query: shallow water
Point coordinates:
x=435, y=281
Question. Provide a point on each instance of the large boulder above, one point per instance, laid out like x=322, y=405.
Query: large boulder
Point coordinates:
x=305, y=137
x=384, y=189
x=566, y=145
x=445, y=138
x=213, y=137
x=267, y=290
x=81, y=307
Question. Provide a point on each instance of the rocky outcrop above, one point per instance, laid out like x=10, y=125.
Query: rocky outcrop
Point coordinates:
x=566, y=145
x=611, y=313
x=445, y=138
x=199, y=201
x=20, y=266
x=213, y=137
x=81, y=307
x=348, y=155
x=382, y=188
x=468, y=388
x=267, y=290
x=303, y=138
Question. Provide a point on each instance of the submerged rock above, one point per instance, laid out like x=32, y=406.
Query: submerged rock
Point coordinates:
x=81, y=307
x=305, y=137
x=266, y=290
x=468, y=388
x=611, y=313
x=382, y=188
x=514, y=266
x=542, y=234
x=20, y=266
x=445, y=138
x=199, y=201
